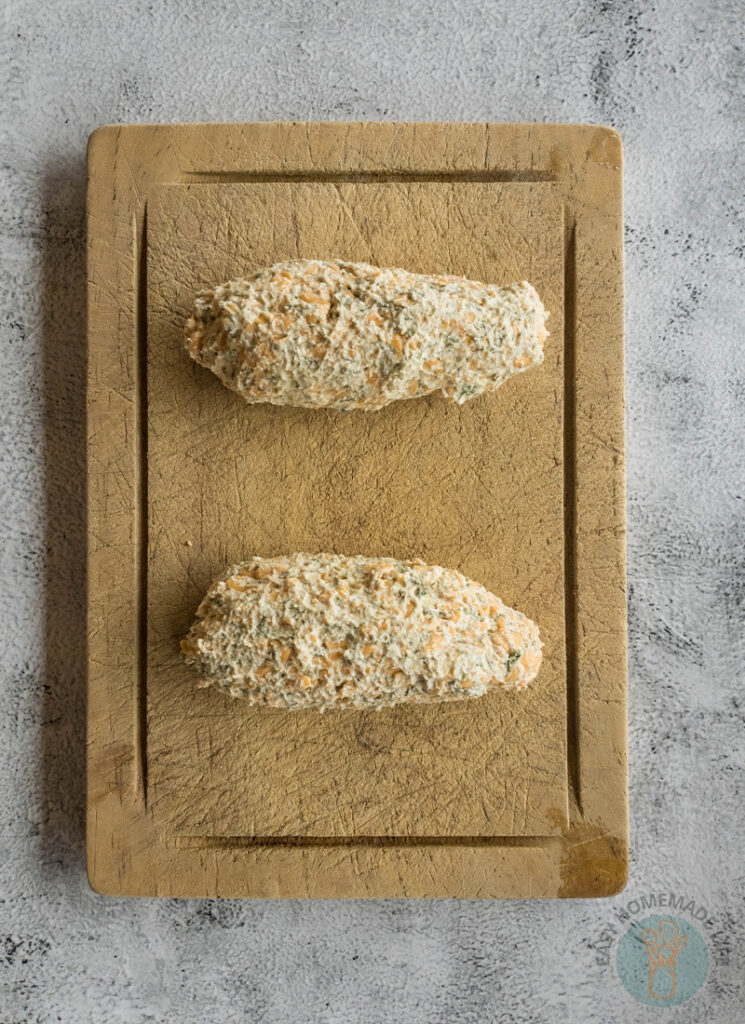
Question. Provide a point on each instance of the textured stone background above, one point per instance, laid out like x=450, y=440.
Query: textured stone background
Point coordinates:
x=669, y=75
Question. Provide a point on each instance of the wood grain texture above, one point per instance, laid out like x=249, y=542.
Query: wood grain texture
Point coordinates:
x=477, y=488
x=191, y=794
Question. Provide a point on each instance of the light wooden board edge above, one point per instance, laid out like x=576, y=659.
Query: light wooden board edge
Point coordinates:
x=126, y=853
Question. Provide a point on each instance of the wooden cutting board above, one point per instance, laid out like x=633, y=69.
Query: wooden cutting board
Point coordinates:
x=190, y=793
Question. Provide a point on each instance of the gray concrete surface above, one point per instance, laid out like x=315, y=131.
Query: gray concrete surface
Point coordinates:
x=669, y=75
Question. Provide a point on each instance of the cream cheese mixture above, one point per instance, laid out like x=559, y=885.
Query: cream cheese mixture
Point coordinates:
x=325, y=631
x=353, y=336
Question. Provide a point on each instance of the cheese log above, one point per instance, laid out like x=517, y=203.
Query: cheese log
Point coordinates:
x=353, y=336
x=329, y=631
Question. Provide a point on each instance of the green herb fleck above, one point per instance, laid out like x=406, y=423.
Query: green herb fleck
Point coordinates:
x=512, y=658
